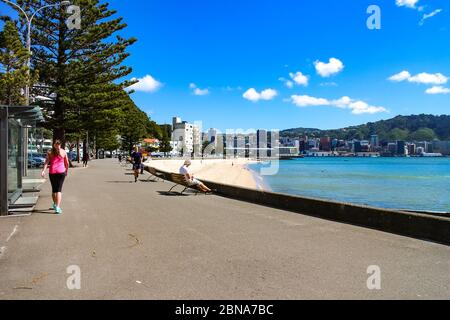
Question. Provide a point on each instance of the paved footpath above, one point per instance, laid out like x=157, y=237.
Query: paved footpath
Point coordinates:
x=130, y=240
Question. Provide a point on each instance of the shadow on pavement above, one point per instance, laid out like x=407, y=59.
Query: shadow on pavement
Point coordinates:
x=120, y=181
x=172, y=194
x=48, y=211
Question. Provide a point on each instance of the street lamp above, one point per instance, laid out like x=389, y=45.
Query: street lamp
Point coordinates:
x=29, y=21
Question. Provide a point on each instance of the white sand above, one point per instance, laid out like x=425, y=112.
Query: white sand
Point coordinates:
x=226, y=171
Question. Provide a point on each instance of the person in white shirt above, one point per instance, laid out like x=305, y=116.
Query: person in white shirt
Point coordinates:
x=184, y=170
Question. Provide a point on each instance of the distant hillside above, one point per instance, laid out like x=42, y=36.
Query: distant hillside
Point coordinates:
x=414, y=128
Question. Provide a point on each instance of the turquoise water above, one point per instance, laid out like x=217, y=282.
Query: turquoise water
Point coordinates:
x=397, y=183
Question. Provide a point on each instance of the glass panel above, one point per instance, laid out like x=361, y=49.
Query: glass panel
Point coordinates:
x=14, y=154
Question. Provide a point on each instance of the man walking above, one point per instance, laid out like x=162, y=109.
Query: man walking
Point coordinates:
x=136, y=157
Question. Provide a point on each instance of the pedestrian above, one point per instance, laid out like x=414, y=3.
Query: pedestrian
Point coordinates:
x=120, y=158
x=85, y=159
x=136, y=158
x=58, y=164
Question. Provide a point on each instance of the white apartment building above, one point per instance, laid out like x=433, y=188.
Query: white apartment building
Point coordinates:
x=186, y=136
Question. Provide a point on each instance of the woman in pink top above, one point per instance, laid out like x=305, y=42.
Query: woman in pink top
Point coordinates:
x=58, y=164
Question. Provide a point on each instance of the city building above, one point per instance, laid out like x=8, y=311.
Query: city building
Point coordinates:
x=401, y=148
x=374, y=142
x=442, y=147
x=188, y=137
x=325, y=144
x=411, y=149
x=212, y=135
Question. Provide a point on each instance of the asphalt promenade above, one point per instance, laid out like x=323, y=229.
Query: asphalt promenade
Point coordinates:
x=135, y=241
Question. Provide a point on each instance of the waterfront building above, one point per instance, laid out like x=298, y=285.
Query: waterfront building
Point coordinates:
x=420, y=150
x=442, y=147
x=427, y=146
x=401, y=148
x=357, y=147
x=334, y=144
x=212, y=134
x=365, y=146
x=325, y=144
x=392, y=148
x=374, y=142
x=187, y=135
x=411, y=149
x=302, y=146
x=312, y=144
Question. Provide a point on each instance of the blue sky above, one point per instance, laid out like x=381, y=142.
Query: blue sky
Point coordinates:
x=228, y=63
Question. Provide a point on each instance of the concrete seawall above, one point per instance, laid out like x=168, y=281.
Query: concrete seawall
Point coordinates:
x=417, y=225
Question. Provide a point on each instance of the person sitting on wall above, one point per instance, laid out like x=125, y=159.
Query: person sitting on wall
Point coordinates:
x=191, y=181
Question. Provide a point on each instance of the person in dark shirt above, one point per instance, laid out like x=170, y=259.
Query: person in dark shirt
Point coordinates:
x=136, y=157
x=85, y=159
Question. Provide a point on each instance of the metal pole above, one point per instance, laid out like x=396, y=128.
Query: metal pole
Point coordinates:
x=4, y=161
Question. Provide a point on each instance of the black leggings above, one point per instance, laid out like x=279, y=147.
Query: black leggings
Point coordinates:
x=57, y=181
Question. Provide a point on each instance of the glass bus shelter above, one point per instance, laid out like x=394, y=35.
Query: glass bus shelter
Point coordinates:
x=13, y=122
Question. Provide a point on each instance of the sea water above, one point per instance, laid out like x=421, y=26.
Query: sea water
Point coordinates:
x=398, y=183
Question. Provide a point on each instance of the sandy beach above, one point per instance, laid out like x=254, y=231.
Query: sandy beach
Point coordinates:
x=226, y=171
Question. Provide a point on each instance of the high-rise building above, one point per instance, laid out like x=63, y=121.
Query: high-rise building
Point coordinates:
x=374, y=142
x=212, y=135
x=401, y=147
x=187, y=136
x=357, y=146
x=411, y=149
x=325, y=144
x=261, y=144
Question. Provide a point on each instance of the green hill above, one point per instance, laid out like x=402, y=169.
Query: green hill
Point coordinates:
x=421, y=127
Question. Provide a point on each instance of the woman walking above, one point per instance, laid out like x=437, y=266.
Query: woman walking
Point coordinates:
x=58, y=164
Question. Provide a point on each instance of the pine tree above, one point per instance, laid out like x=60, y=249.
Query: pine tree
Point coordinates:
x=13, y=69
x=80, y=69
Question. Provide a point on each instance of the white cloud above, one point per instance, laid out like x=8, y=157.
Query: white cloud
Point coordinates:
x=357, y=107
x=402, y=76
x=201, y=92
x=299, y=78
x=361, y=107
x=326, y=70
x=428, y=78
x=287, y=83
x=437, y=90
x=307, y=101
x=429, y=15
x=146, y=84
x=422, y=78
x=197, y=91
x=342, y=102
x=268, y=94
x=407, y=3
x=254, y=96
